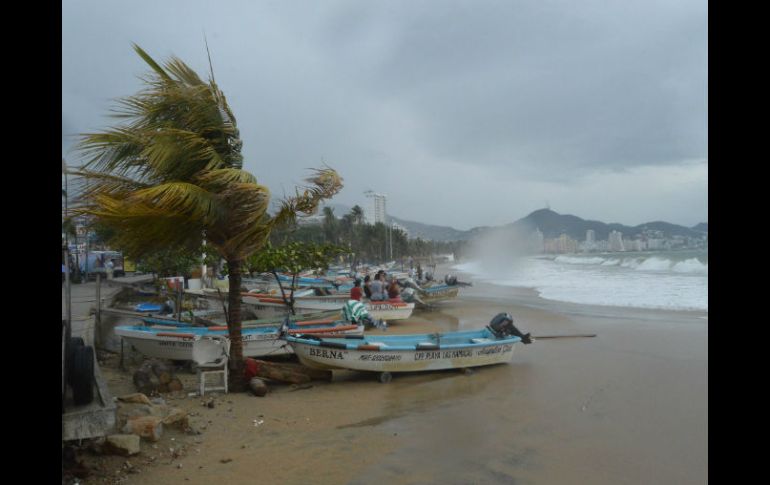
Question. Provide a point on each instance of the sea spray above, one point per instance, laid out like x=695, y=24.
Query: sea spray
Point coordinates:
x=662, y=280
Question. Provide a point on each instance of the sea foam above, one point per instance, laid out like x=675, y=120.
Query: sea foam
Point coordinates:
x=632, y=281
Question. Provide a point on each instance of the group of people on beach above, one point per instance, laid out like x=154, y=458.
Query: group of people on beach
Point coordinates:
x=377, y=289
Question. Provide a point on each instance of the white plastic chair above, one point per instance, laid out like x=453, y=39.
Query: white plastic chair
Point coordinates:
x=211, y=356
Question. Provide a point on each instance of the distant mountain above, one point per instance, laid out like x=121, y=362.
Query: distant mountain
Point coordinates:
x=702, y=227
x=550, y=223
x=432, y=232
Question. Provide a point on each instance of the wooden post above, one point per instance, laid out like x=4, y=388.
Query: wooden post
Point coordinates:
x=122, y=366
x=179, y=300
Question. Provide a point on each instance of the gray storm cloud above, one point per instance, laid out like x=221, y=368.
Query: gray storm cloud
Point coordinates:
x=449, y=107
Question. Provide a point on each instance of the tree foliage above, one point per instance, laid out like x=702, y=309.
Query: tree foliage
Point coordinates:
x=292, y=259
x=172, y=175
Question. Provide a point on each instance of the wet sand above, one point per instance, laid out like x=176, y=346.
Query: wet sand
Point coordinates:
x=626, y=407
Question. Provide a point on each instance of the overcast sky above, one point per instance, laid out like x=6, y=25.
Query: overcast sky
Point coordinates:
x=465, y=113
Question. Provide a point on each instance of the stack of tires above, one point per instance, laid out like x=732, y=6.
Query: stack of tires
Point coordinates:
x=78, y=371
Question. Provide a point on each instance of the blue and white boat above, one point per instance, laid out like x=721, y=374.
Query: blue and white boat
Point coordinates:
x=411, y=353
x=175, y=342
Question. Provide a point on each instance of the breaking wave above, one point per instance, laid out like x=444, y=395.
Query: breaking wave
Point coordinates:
x=669, y=280
x=640, y=263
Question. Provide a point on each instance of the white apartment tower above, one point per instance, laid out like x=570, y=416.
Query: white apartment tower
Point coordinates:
x=376, y=208
x=616, y=241
x=590, y=236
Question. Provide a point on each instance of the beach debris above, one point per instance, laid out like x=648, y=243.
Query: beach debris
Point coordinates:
x=284, y=372
x=166, y=381
x=177, y=417
x=168, y=415
x=258, y=422
x=122, y=444
x=225, y=460
x=136, y=397
x=148, y=427
x=258, y=386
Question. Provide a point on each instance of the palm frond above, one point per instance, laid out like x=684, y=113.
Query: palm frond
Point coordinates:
x=151, y=62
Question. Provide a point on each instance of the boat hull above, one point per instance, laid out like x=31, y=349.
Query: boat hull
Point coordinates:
x=440, y=293
x=176, y=343
x=180, y=347
x=371, y=355
x=385, y=310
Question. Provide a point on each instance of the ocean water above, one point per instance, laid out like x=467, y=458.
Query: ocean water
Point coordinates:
x=676, y=280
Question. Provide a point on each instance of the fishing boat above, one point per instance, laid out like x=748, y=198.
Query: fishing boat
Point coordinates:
x=176, y=342
x=436, y=293
x=276, y=320
x=492, y=344
x=264, y=307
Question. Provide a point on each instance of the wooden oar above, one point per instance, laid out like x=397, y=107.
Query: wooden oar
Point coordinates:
x=538, y=337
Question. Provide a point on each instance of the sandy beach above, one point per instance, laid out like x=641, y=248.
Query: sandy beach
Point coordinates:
x=628, y=406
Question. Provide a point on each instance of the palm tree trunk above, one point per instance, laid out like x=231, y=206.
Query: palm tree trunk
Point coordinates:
x=234, y=328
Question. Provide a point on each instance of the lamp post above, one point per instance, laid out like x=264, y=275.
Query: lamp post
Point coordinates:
x=67, y=288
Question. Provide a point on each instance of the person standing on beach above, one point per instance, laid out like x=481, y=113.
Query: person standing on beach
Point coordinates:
x=393, y=290
x=355, y=292
x=378, y=287
x=367, y=287
x=110, y=268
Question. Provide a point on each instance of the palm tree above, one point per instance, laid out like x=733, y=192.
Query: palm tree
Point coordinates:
x=330, y=225
x=172, y=176
x=358, y=214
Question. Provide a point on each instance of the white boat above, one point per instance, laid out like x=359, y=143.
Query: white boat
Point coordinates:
x=390, y=309
x=175, y=342
x=387, y=310
x=410, y=353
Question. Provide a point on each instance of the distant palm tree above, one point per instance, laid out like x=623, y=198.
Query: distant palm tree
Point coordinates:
x=330, y=225
x=358, y=214
x=173, y=175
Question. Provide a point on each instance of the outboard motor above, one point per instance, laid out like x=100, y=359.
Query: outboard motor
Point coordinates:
x=502, y=326
x=450, y=280
x=428, y=276
x=408, y=283
x=410, y=296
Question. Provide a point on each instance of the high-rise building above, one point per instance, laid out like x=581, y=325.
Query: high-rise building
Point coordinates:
x=401, y=228
x=590, y=236
x=376, y=208
x=615, y=241
x=536, y=241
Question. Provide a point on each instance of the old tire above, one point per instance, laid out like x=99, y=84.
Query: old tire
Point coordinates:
x=72, y=344
x=83, y=375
